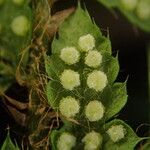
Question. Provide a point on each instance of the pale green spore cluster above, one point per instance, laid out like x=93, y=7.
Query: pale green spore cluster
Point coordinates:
x=86, y=43
x=116, y=132
x=69, y=106
x=70, y=79
x=94, y=111
x=92, y=141
x=97, y=80
x=93, y=59
x=66, y=141
x=70, y=55
x=20, y=25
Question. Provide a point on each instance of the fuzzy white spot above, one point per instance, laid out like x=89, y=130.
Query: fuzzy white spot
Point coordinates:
x=66, y=141
x=69, y=106
x=143, y=10
x=70, y=55
x=93, y=59
x=20, y=25
x=97, y=80
x=116, y=132
x=70, y=79
x=18, y=2
x=94, y=111
x=92, y=140
x=129, y=4
x=86, y=42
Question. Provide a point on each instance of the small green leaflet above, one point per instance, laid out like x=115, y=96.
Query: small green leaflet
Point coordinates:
x=118, y=99
x=8, y=144
x=127, y=143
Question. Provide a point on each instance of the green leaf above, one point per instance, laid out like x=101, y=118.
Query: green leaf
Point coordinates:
x=52, y=93
x=55, y=92
x=53, y=138
x=127, y=143
x=105, y=46
x=54, y=66
x=8, y=144
x=110, y=66
x=118, y=99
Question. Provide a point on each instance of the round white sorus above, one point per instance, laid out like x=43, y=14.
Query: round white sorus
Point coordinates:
x=93, y=59
x=94, y=111
x=70, y=79
x=143, y=9
x=97, y=80
x=86, y=42
x=116, y=132
x=70, y=55
x=69, y=106
x=92, y=140
x=18, y=2
x=20, y=25
x=129, y=4
x=66, y=141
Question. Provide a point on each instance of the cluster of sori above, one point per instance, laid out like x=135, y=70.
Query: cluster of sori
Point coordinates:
x=96, y=80
x=92, y=140
x=140, y=7
x=70, y=79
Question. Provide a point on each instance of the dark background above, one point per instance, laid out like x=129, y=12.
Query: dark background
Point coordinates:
x=131, y=43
